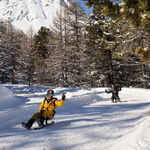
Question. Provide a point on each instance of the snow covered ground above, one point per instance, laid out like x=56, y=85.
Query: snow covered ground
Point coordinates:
x=87, y=121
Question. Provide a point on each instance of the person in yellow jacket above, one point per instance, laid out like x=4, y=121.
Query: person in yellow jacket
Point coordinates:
x=46, y=110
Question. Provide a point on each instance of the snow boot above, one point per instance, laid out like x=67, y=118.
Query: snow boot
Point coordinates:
x=40, y=121
x=46, y=121
x=113, y=101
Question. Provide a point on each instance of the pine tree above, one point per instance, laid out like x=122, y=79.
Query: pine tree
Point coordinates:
x=135, y=11
x=101, y=46
x=40, y=49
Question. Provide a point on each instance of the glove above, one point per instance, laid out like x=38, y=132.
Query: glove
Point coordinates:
x=63, y=97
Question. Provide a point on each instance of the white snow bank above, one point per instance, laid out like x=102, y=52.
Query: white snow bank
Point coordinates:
x=7, y=99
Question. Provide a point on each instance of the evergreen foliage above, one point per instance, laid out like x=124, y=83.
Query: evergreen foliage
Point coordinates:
x=118, y=40
x=137, y=12
x=40, y=50
x=41, y=40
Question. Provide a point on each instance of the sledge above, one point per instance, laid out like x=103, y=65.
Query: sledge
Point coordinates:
x=38, y=128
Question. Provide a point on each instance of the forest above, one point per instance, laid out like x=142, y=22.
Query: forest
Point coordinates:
x=108, y=46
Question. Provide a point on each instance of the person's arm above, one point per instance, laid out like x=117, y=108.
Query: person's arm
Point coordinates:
x=41, y=108
x=108, y=91
x=60, y=103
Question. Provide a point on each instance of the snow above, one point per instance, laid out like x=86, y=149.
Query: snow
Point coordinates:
x=87, y=121
x=27, y=14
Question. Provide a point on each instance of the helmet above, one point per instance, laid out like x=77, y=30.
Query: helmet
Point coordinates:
x=50, y=92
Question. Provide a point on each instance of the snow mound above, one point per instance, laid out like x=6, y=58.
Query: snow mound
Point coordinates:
x=7, y=99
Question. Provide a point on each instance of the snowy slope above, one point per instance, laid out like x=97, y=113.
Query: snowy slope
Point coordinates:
x=25, y=14
x=87, y=121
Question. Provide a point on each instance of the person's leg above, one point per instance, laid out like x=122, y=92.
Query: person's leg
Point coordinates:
x=112, y=99
x=40, y=121
x=118, y=99
x=48, y=115
x=32, y=120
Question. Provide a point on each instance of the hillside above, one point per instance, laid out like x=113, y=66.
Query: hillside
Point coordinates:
x=24, y=14
x=87, y=121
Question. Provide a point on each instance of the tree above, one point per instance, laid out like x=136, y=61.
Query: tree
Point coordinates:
x=41, y=40
x=111, y=44
x=40, y=48
x=94, y=49
x=136, y=11
x=78, y=62
x=101, y=46
x=2, y=52
x=68, y=29
x=57, y=49
x=10, y=45
x=28, y=57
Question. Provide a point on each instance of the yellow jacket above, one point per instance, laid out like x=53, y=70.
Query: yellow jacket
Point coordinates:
x=50, y=105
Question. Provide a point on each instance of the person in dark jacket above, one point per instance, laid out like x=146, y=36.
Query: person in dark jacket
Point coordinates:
x=115, y=93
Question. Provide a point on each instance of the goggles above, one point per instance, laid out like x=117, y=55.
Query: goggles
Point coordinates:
x=50, y=94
